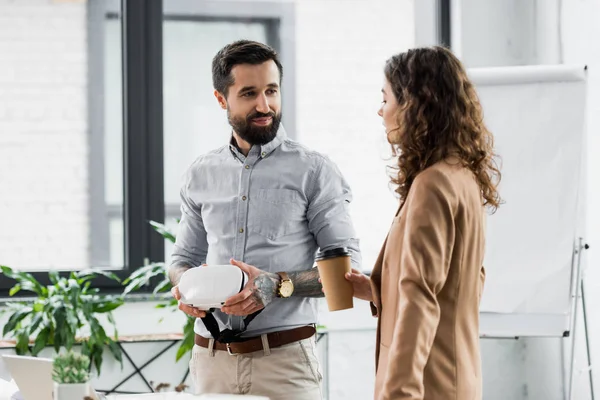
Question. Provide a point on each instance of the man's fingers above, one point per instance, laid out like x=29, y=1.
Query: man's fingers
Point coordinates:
x=241, y=265
x=240, y=311
x=245, y=307
x=250, y=303
x=254, y=309
x=192, y=311
x=238, y=298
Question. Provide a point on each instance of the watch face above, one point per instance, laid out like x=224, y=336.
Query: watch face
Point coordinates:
x=286, y=289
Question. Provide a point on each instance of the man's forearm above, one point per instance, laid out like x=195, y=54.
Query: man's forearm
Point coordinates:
x=175, y=271
x=306, y=283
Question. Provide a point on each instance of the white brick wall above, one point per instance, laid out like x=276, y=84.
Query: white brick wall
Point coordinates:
x=43, y=142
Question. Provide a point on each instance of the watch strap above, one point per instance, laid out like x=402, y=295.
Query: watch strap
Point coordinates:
x=284, y=276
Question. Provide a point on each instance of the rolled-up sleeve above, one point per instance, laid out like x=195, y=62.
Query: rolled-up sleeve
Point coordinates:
x=328, y=213
x=191, y=246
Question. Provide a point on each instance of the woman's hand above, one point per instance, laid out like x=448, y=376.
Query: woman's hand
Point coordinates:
x=361, y=284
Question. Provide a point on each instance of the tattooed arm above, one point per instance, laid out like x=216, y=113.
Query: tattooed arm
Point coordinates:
x=262, y=287
x=306, y=283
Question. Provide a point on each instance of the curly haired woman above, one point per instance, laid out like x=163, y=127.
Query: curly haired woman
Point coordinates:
x=427, y=282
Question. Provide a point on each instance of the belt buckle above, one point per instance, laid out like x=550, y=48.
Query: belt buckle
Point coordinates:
x=229, y=350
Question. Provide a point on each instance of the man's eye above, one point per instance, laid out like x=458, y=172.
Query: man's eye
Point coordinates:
x=248, y=94
x=271, y=91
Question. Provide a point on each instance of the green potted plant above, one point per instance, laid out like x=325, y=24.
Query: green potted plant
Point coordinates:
x=59, y=312
x=158, y=270
x=70, y=373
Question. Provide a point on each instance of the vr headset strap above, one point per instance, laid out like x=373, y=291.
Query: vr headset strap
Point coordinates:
x=228, y=335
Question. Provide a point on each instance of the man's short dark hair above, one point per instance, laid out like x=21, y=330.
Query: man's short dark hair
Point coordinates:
x=236, y=53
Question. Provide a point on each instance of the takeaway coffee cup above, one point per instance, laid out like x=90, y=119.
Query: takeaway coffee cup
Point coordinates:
x=333, y=265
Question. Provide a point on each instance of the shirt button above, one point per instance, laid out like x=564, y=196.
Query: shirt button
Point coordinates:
x=241, y=230
x=247, y=167
x=263, y=154
x=244, y=198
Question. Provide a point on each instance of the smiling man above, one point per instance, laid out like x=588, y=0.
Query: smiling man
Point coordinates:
x=265, y=204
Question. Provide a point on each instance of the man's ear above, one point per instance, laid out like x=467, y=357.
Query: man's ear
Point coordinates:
x=221, y=99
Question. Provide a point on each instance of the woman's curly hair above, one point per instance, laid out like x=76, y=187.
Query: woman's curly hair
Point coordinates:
x=438, y=115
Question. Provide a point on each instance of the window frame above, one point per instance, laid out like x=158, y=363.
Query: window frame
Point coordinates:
x=433, y=22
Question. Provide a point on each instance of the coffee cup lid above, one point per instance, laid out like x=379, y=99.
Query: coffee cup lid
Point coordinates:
x=332, y=253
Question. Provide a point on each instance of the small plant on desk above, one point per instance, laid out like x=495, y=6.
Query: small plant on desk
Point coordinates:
x=70, y=372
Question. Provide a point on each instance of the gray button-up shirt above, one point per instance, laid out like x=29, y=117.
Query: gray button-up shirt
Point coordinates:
x=272, y=209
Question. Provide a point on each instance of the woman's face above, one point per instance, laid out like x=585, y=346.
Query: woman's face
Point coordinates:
x=388, y=109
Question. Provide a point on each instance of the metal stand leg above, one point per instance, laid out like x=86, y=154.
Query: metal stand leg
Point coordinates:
x=563, y=364
x=575, y=313
x=587, y=341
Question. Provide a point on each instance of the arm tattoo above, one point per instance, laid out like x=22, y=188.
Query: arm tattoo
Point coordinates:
x=306, y=283
x=265, y=288
x=175, y=272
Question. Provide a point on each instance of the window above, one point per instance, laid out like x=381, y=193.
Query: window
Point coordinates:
x=51, y=177
x=74, y=172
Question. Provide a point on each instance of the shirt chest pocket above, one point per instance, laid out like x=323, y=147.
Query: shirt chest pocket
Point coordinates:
x=274, y=213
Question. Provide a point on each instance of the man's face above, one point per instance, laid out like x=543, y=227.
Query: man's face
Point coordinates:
x=253, y=102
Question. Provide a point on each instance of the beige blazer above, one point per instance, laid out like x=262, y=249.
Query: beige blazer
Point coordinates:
x=427, y=284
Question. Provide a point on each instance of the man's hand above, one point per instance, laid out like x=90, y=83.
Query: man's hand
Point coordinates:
x=260, y=290
x=189, y=310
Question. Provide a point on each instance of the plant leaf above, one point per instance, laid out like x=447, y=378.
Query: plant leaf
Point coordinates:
x=21, y=278
x=107, y=305
x=14, y=290
x=143, y=275
x=163, y=230
x=62, y=329
x=40, y=341
x=7, y=271
x=22, y=346
x=35, y=322
x=163, y=286
x=15, y=318
x=94, y=272
x=187, y=343
x=54, y=277
x=97, y=353
x=115, y=350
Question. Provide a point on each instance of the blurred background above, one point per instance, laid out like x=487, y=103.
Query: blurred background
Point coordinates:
x=105, y=103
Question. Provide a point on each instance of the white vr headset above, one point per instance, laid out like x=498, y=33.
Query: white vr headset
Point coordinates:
x=208, y=287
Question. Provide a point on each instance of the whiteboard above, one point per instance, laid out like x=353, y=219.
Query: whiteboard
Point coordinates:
x=537, y=117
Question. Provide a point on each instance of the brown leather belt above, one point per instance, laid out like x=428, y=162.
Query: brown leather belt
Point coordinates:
x=276, y=339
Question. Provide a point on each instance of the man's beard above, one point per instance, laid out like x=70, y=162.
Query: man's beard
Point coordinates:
x=253, y=134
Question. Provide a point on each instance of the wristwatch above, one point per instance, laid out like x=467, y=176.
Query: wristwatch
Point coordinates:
x=286, y=287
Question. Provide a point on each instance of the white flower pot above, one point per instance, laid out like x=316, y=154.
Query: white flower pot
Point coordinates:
x=71, y=391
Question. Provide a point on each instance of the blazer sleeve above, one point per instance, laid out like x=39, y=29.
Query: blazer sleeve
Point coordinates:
x=424, y=262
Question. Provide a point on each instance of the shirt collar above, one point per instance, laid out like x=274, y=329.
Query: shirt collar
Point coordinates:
x=265, y=149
